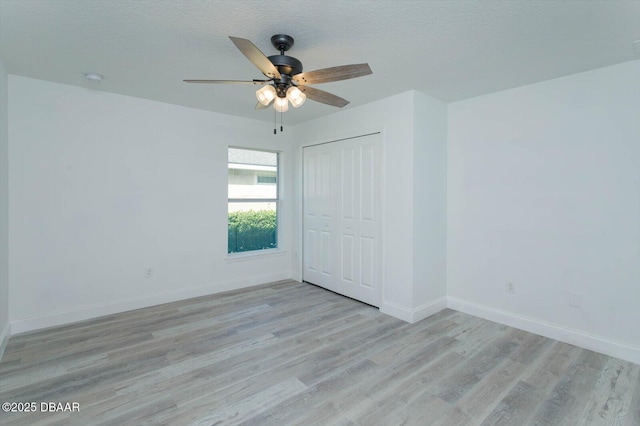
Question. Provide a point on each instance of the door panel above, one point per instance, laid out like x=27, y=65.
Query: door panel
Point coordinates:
x=348, y=183
x=311, y=252
x=367, y=180
x=342, y=205
x=347, y=258
x=318, y=251
x=326, y=252
x=326, y=185
x=367, y=261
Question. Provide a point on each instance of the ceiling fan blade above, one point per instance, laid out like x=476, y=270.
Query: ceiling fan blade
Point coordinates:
x=260, y=106
x=227, y=81
x=326, y=75
x=323, y=97
x=258, y=58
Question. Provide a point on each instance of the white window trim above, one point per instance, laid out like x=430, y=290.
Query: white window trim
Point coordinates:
x=253, y=254
x=271, y=252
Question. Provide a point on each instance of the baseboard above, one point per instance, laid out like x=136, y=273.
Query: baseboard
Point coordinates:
x=413, y=314
x=429, y=309
x=4, y=338
x=397, y=311
x=24, y=325
x=553, y=331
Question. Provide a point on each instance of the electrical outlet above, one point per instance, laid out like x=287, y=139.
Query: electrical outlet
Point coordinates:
x=149, y=273
x=510, y=287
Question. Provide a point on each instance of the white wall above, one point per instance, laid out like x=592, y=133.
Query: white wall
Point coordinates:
x=4, y=211
x=544, y=192
x=430, y=201
x=104, y=186
x=395, y=117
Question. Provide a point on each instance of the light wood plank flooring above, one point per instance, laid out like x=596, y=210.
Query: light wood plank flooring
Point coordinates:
x=289, y=353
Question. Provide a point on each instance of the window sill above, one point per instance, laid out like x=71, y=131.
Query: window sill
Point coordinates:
x=253, y=255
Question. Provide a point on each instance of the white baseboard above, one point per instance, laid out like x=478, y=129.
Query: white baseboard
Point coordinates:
x=24, y=325
x=413, y=314
x=553, y=331
x=4, y=338
x=400, y=312
x=428, y=309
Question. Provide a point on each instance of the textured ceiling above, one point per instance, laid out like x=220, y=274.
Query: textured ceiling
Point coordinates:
x=451, y=50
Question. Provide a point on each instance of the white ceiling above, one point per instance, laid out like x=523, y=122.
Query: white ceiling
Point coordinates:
x=450, y=50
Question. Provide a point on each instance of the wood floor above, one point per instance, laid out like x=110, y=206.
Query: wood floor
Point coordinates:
x=290, y=353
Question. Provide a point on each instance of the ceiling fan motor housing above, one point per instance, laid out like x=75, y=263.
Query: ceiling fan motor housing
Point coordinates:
x=286, y=64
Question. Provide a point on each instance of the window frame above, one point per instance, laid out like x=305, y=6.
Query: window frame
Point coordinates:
x=276, y=200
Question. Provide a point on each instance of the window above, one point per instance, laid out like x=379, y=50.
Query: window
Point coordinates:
x=253, y=200
x=267, y=178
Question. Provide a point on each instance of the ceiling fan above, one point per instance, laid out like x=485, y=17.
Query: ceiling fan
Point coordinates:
x=285, y=80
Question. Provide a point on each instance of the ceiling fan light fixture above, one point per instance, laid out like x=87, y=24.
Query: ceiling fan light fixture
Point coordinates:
x=281, y=104
x=266, y=94
x=296, y=96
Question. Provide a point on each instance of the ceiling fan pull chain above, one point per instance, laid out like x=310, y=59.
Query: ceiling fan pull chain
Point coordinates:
x=281, y=122
x=275, y=120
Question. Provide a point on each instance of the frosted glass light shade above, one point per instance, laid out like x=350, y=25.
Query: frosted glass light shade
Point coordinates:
x=295, y=96
x=266, y=94
x=281, y=104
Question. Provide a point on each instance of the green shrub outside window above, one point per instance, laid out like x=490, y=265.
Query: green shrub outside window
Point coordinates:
x=252, y=230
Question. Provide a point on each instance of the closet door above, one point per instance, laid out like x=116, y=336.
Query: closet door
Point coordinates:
x=348, y=250
x=319, y=216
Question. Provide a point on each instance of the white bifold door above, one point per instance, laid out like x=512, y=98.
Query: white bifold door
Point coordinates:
x=342, y=221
